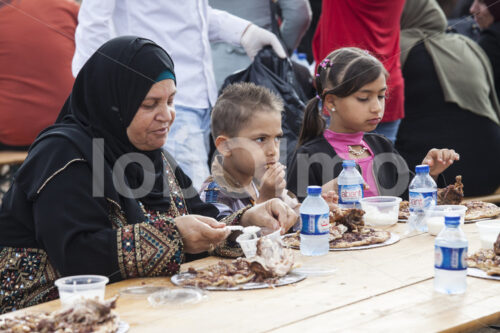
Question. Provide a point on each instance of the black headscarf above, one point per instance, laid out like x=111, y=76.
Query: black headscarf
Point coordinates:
x=106, y=95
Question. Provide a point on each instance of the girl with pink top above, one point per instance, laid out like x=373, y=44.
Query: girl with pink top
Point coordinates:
x=351, y=87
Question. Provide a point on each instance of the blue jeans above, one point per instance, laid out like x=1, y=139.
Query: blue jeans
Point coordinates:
x=389, y=129
x=188, y=142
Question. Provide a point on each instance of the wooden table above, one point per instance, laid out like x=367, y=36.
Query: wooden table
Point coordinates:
x=381, y=289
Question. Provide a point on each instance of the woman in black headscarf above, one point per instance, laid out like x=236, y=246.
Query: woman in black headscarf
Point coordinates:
x=97, y=195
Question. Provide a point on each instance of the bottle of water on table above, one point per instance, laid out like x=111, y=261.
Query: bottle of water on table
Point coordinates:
x=423, y=195
x=350, y=182
x=315, y=223
x=450, y=266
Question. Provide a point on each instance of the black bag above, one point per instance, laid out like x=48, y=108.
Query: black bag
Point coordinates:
x=277, y=74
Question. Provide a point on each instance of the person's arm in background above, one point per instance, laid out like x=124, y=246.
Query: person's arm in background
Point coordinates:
x=296, y=16
x=223, y=26
x=92, y=31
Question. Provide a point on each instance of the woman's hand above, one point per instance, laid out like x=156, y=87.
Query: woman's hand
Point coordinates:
x=200, y=233
x=270, y=215
x=439, y=160
x=272, y=183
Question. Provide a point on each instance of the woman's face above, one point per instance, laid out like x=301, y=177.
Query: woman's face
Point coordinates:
x=481, y=14
x=149, y=128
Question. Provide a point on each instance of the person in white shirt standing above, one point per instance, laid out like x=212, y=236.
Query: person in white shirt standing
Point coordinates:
x=185, y=29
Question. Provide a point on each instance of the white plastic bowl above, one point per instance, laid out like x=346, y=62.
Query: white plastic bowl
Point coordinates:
x=435, y=216
x=75, y=288
x=249, y=246
x=380, y=210
x=488, y=232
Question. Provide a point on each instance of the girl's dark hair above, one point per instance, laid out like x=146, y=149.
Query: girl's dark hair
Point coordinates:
x=346, y=70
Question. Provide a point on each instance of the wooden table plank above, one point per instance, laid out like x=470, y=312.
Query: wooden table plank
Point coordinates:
x=361, y=276
x=415, y=308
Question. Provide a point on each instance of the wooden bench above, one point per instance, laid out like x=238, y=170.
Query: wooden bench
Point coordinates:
x=12, y=157
x=7, y=160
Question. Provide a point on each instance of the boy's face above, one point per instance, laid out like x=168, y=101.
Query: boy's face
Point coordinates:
x=256, y=146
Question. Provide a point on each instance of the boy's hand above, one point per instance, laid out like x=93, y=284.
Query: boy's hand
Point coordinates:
x=439, y=160
x=271, y=215
x=272, y=183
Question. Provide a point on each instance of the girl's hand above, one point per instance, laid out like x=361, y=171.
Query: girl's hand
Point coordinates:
x=439, y=160
x=272, y=183
x=333, y=185
x=200, y=233
x=332, y=199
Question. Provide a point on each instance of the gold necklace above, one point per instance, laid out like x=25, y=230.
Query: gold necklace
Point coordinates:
x=357, y=152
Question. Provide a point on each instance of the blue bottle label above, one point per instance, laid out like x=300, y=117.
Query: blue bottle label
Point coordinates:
x=315, y=224
x=350, y=194
x=419, y=201
x=453, y=259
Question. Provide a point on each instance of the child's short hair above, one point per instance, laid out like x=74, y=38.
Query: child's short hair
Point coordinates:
x=237, y=103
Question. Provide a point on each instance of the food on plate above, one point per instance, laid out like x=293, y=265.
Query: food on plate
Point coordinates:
x=404, y=210
x=487, y=260
x=451, y=194
x=87, y=315
x=347, y=229
x=479, y=210
x=271, y=262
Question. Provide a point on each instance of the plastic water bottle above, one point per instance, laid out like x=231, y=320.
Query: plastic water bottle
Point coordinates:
x=301, y=58
x=350, y=186
x=315, y=223
x=423, y=195
x=450, y=265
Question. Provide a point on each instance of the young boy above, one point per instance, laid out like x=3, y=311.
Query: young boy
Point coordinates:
x=246, y=126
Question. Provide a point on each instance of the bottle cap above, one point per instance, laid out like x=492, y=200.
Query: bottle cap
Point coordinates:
x=452, y=221
x=348, y=163
x=424, y=168
x=314, y=190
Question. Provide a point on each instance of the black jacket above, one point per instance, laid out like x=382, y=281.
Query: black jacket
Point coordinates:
x=316, y=163
x=490, y=42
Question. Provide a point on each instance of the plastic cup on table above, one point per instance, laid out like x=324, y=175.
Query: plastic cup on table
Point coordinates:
x=76, y=288
x=488, y=232
x=435, y=216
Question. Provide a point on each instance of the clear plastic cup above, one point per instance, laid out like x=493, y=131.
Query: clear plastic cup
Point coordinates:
x=78, y=287
x=488, y=232
x=177, y=297
x=249, y=245
x=435, y=216
x=380, y=210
